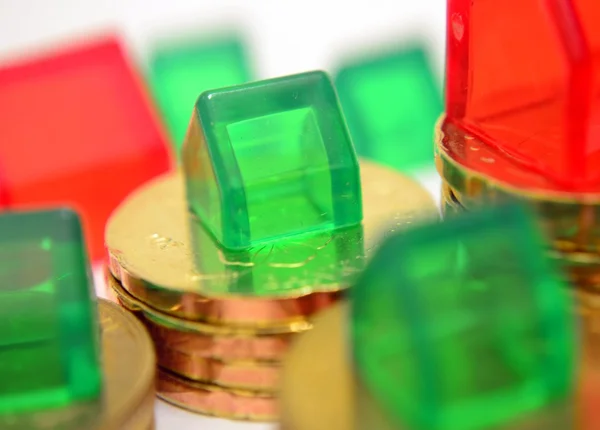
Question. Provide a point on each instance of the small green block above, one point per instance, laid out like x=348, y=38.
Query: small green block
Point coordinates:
x=271, y=159
x=464, y=325
x=391, y=103
x=179, y=72
x=49, y=335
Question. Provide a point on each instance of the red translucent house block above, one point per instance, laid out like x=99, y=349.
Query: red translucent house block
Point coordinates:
x=523, y=77
x=77, y=128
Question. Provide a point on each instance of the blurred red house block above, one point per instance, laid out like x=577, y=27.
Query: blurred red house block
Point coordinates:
x=77, y=128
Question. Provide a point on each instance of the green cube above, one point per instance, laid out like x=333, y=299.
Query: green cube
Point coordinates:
x=179, y=72
x=391, y=103
x=271, y=159
x=49, y=335
x=464, y=325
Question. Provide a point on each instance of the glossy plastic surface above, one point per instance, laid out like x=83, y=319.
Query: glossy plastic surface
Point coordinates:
x=391, y=102
x=76, y=128
x=524, y=77
x=49, y=345
x=179, y=73
x=271, y=159
x=464, y=325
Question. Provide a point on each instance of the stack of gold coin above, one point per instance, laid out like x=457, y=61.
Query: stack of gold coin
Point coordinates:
x=219, y=347
x=569, y=220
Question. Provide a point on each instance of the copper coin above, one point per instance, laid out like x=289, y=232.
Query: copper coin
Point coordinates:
x=262, y=348
x=212, y=400
x=202, y=340
x=241, y=374
x=167, y=320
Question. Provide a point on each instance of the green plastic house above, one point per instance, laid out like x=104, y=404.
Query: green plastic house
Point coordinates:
x=464, y=325
x=271, y=159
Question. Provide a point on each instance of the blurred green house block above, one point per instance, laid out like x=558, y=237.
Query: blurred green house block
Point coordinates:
x=464, y=325
x=180, y=72
x=271, y=159
x=391, y=103
x=49, y=335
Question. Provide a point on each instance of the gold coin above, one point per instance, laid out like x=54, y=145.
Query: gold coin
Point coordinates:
x=129, y=369
x=150, y=252
x=318, y=389
x=581, y=267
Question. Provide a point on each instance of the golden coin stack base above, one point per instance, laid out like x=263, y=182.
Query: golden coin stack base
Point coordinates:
x=571, y=223
x=217, y=370
x=221, y=354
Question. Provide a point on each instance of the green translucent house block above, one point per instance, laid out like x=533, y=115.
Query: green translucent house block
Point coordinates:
x=391, y=103
x=464, y=325
x=49, y=350
x=179, y=72
x=271, y=159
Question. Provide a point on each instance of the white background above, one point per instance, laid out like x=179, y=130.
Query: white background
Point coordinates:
x=284, y=37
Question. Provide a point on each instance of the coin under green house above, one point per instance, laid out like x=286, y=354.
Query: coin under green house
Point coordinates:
x=271, y=159
x=326, y=261
x=464, y=325
x=391, y=103
x=179, y=72
x=49, y=334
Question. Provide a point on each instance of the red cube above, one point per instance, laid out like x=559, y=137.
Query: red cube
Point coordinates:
x=523, y=76
x=77, y=128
